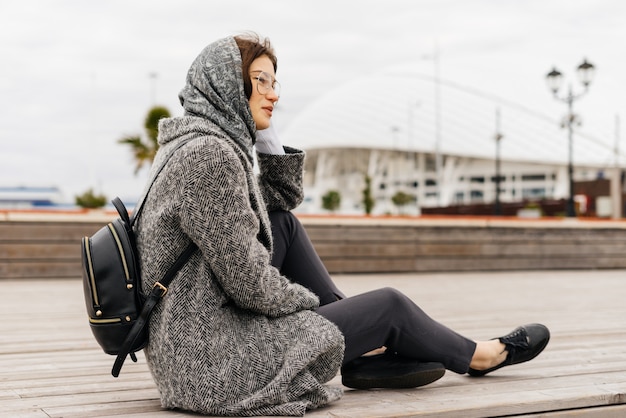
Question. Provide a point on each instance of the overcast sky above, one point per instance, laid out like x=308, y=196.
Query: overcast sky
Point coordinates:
x=76, y=74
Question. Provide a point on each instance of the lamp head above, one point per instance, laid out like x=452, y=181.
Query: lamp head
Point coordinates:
x=586, y=72
x=554, y=79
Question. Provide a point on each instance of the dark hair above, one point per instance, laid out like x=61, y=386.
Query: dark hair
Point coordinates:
x=251, y=47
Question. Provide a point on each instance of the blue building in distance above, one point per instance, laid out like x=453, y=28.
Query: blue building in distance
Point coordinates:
x=24, y=197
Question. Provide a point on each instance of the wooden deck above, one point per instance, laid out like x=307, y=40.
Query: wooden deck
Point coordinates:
x=50, y=366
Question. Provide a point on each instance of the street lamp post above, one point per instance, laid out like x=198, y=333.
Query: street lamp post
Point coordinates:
x=554, y=79
x=153, y=77
x=498, y=137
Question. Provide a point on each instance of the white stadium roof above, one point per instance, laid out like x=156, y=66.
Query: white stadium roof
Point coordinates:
x=396, y=110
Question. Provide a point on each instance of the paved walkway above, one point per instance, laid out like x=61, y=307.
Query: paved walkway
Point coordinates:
x=50, y=366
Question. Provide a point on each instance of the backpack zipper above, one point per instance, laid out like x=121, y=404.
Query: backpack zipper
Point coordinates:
x=120, y=249
x=94, y=293
x=104, y=321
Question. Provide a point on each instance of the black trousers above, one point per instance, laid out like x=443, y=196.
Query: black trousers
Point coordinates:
x=384, y=317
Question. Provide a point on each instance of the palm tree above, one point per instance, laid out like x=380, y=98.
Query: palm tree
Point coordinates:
x=144, y=150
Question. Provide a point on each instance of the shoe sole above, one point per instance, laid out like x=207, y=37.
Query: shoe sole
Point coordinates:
x=408, y=381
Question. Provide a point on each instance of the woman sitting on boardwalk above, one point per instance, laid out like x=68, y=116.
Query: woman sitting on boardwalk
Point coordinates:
x=253, y=324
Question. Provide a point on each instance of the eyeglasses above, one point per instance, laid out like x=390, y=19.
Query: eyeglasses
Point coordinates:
x=265, y=82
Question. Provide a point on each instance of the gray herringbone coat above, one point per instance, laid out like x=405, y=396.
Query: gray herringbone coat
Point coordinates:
x=232, y=336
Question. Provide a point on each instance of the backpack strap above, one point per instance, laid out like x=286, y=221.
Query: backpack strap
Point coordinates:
x=158, y=291
x=121, y=209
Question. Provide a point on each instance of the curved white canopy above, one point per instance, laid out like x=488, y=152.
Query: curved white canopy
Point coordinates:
x=399, y=110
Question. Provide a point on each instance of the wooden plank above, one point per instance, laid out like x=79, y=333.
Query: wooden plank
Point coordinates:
x=618, y=411
x=425, y=233
x=392, y=249
x=517, y=263
x=47, y=231
x=40, y=268
x=435, y=264
x=40, y=250
x=145, y=409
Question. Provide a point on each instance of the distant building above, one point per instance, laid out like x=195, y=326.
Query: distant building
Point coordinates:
x=22, y=197
x=442, y=151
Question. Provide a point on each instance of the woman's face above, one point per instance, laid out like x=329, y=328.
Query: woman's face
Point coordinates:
x=263, y=97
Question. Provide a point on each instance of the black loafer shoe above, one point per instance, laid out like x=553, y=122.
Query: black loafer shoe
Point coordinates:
x=384, y=371
x=523, y=344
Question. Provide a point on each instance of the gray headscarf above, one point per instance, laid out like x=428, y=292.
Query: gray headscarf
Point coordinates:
x=214, y=90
